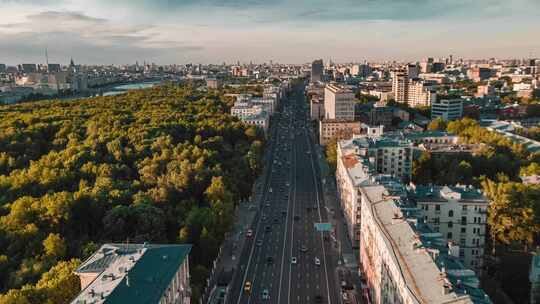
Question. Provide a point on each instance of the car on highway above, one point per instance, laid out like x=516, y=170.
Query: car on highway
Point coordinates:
x=269, y=260
x=293, y=260
x=267, y=228
x=318, y=299
x=303, y=248
x=259, y=243
x=265, y=294
x=296, y=217
x=247, y=286
x=317, y=261
x=276, y=220
x=249, y=233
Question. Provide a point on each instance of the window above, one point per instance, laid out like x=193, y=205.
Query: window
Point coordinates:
x=464, y=208
x=451, y=213
x=463, y=229
x=463, y=220
x=437, y=207
x=449, y=235
x=450, y=224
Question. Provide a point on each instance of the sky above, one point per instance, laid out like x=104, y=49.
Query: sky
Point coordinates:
x=287, y=31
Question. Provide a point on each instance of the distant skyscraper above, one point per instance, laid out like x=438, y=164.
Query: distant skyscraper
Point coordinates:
x=53, y=67
x=317, y=68
x=2, y=68
x=28, y=68
x=413, y=70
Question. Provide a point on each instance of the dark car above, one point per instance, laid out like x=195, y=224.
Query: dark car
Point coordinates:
x=318, y=299
x=296, y=217
x=267, y=228
x=269, y=260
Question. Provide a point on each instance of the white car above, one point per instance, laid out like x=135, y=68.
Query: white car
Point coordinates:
x=317, y=261
x=293, y=260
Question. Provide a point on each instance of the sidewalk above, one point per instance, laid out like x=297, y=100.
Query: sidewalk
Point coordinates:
x=348, y=268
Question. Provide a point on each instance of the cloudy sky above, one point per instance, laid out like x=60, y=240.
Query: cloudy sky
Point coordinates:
x=290, y=31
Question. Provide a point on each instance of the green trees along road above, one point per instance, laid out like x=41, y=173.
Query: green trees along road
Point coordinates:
x=161, y=165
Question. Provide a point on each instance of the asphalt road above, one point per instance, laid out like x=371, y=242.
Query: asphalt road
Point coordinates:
x=284, y=231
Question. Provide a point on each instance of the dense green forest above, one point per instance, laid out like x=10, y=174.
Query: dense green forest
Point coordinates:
x=163, y=165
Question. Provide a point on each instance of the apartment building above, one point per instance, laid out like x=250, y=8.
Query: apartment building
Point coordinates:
x=403, y=261
x=135, y=273
x=447, y=109
x=459, y=213
x=338, y=129
x=400, y=86
x=338, y=102
x=420, y=94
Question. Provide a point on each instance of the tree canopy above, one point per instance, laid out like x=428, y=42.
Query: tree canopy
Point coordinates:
x=165, y=164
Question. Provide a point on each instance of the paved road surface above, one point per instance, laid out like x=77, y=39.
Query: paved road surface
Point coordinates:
x=292, y=203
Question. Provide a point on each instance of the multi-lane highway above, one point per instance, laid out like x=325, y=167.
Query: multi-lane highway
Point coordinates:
x=286, y=259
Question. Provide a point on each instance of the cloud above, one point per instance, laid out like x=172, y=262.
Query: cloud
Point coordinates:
x=92, y=39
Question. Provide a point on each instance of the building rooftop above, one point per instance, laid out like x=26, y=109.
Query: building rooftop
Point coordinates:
x=461, y=194
x=428, y=264
x=130, y=273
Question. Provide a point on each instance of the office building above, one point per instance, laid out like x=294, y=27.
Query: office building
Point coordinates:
x=400, y=86
x=317, y=68
x=459, y=213
x=135, y=273
x=338, y=103
x=413, y=70
x=28, y=68
x=447, y=109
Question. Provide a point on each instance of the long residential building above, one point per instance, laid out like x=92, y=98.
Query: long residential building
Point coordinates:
x=403, y=261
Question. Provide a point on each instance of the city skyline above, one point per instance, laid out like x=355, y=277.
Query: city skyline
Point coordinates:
x=211, y=31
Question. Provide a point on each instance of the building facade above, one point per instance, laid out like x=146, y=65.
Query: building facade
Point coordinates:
x=400, y=87
x=459, y=213
x=330, y=129
x=338, y=103
x=420, y=95
x=317, y=69
x=447, y=109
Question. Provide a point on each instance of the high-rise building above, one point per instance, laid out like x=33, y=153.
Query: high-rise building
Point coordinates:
x=28, y=68
x=400, y=86
x=361, y=70
x=447, y=109
x=2, y=68
x=338, y=102
x=136, y=273
x=413, y=70
x=53, y=68
x=317, y=68
x=420, y=94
